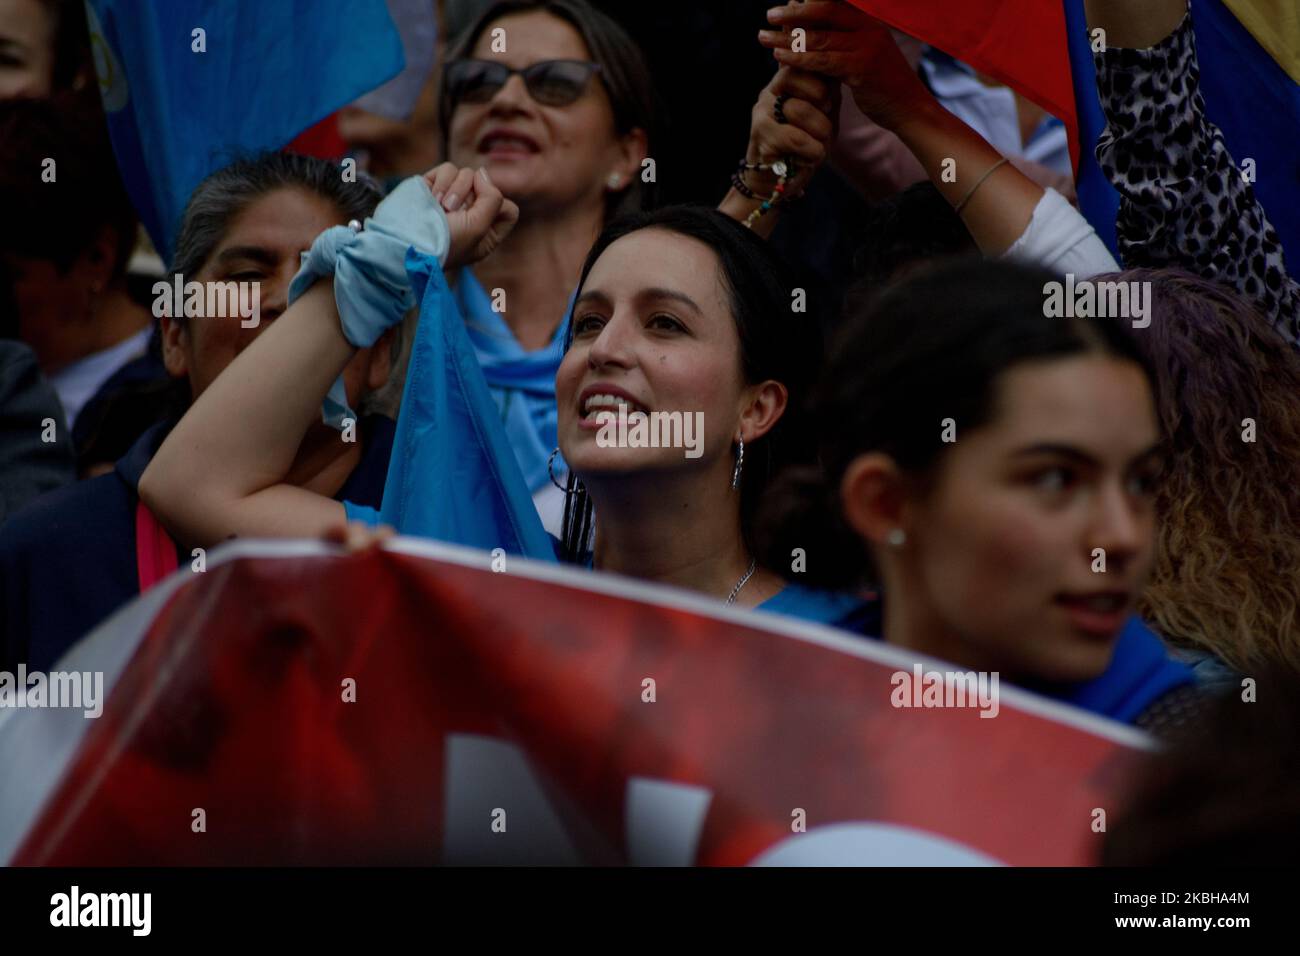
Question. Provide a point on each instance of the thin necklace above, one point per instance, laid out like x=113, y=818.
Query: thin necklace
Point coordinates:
x=753, y=562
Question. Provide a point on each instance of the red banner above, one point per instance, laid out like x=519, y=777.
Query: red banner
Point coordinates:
x=300, y=707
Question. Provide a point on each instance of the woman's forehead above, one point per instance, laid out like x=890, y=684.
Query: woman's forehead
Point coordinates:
x=658, y=258
x=285, y=220
x=528, y=38
x=1097, y=402
x=28, y=22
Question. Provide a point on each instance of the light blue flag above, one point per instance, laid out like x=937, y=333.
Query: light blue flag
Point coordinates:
x=191, y=85
x=453, y=475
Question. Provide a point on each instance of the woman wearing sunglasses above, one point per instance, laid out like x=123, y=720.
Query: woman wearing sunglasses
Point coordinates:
x=555, y=101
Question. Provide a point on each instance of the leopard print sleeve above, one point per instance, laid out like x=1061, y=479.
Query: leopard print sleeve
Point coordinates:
x=1183, y=201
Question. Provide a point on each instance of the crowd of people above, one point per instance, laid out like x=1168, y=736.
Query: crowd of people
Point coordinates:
x=1101, y=509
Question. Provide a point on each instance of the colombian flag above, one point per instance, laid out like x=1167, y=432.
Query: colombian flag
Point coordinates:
x=1249, y=53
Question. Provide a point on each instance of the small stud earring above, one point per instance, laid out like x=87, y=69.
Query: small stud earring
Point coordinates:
x=615, y=180
x=896, y=538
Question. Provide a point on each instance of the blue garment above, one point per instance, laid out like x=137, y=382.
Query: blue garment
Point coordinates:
x=1212, y=674
x=848, y=612
x=454, y=475
x=521, y=382
x=1141, y=671
x=68, y=560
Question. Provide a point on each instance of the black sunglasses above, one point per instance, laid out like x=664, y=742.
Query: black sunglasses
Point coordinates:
x=550, y=82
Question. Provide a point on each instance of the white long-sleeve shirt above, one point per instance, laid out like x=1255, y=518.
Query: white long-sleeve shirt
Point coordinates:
x=1059, y=238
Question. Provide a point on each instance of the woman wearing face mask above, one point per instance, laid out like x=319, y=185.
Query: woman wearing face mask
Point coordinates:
x=681, y=311
x=994, y=473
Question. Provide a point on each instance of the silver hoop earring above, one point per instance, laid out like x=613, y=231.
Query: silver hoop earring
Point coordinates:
x=550, y=462
x=740, y=464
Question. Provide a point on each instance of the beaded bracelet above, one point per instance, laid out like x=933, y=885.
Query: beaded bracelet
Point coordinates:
x=738, y=184
x=782, y=170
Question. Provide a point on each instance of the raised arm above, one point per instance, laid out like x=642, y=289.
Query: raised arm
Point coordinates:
x=221, y=472
x=1135, y=23
x=793, y=120
x=1004, y=210
x=1183, y=200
